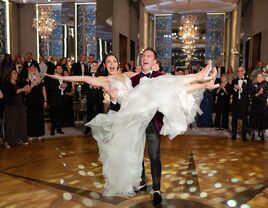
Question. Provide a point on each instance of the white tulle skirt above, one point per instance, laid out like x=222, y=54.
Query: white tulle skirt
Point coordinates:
x=121, y=135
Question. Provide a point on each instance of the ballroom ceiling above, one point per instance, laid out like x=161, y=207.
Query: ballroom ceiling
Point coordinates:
x=166, y=6
x=183, y=6
x=48, y=1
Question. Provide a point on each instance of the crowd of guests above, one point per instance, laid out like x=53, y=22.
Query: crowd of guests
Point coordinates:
x=242, y=96
x=26, y=92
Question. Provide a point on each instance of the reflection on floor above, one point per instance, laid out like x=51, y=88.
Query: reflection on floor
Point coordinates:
x=198, y=171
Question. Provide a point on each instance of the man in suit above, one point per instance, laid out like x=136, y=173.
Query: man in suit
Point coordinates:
x=80, y=68
x=149, y=59
x=50, y=65
x=91, y=58
x=94, y=97
x=220, y=70
x=27, y=64
x=241, y=88
x=56, y=102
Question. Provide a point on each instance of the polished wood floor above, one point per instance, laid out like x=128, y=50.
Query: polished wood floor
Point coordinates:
x=198, y=171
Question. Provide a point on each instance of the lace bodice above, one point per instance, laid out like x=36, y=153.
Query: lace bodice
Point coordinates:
x=123, y=88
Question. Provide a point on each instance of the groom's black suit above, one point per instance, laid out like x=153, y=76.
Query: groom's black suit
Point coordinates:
x=152, y=139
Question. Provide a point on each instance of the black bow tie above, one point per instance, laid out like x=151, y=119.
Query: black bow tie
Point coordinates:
x=241, y=78
x=148, y=75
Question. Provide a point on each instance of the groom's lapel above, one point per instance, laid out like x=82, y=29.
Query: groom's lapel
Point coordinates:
x=156, y=74
x=135, y=80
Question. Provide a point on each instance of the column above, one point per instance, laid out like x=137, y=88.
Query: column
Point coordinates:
x=163, y=40
x=85, y=29
x=215, y=37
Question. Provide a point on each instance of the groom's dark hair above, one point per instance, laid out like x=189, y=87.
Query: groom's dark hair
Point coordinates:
x=152, y=50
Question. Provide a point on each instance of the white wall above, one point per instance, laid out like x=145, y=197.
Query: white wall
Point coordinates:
x=120, y=24
x=14, y=29
x=22, y=34
x=27, y=34
x=144, y=28
x=259, y=24
x=134, y=27
x=255, y=21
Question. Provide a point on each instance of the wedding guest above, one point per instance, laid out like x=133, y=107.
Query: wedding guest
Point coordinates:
x=7, y=64
x=56, y=102
x=18, y=64
x=241, y=90
x=259, y=108
x=127, y=68
x=68, y=116
x=63, y=63
x=14, y=114
x=258, y=69
x=222, y=104
x=230, y=74
x=94, y=97
x=29, y=61
x=36, y=102
x=42, y=66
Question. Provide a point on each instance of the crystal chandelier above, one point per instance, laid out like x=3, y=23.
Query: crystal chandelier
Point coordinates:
x=44, y=23
x=187, y=32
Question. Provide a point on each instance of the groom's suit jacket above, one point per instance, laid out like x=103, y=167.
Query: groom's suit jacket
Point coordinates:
x=158, y=117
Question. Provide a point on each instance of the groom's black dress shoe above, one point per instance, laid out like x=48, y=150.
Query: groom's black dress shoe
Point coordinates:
x=157, y=198
x=59, y=131
x=142, y=188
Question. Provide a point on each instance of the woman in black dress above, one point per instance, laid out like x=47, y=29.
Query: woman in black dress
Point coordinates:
x=36, y=102
x=14, y=114
x=222, y=102
x=68, y=116
x=259, y=107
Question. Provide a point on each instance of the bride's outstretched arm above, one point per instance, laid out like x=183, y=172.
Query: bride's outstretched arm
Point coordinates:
x=97, y=81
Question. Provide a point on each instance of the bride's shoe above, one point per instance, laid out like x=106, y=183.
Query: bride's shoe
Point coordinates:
x=212, y=75
x=210, y=84
x=203, y=75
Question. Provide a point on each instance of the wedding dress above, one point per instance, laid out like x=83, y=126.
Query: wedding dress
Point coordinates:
x=121, y=135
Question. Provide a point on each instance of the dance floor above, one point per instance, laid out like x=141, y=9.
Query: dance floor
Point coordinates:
x=198, y=171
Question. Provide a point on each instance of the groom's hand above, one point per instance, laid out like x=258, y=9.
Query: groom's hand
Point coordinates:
x=113, y=94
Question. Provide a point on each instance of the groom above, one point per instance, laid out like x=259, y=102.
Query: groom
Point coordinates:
x=149, y=59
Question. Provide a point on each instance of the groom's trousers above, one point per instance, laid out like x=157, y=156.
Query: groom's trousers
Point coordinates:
x=153, y=145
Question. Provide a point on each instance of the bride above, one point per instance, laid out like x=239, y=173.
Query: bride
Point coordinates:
x=121, y=135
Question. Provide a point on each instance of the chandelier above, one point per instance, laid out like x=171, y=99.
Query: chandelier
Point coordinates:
x=44, y=23
x=187, y=32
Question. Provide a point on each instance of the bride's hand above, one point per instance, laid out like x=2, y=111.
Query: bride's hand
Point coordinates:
x=155, y=67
